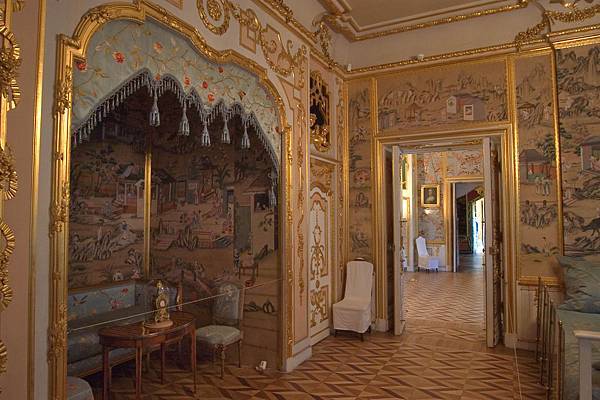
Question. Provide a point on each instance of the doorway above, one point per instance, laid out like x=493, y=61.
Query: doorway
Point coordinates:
x=422, y=203
x=468, y=223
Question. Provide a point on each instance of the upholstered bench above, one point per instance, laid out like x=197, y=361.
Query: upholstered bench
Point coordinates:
x=78, y=389
x=579, y=312
x=93, y=308
x=574, y=321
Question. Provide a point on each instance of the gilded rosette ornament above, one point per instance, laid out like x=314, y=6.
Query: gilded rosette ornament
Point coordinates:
x=8, y=175
x=10, y=61
x=214, y=14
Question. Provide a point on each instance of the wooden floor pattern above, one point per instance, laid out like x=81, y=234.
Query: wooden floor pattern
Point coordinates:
x=442, y=355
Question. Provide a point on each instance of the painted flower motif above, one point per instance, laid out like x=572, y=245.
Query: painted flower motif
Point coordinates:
x=82, y=66
x=158, y=47
x=187, y=81
x=125, y=290
x=116, y=304
x=211, y=97
x=205, y=85
x=157, y=77
x=119, y=57
x=220, y=69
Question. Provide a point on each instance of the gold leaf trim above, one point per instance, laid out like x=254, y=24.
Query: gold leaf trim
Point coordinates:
x=59, y=212
x=3, y=357
x=550, y=17
x=57, y=334
x=9, y=183
x=10, y=61
x=9, y=245
x=99, y=14
x=281, y=58
x=218, y=10
x=64, y=89
x=6, y=296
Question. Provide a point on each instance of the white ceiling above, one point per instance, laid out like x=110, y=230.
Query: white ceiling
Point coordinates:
x=368, y=16
x=371, y=13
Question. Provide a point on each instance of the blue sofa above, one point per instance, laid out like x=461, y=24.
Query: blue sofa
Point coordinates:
x=91, y=309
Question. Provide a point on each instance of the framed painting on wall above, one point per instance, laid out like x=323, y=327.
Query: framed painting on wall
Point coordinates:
x=430, y=196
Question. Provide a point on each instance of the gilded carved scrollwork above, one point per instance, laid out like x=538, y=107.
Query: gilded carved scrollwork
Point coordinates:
x=320, y=135
x=57, y=334
x=300, y=121
x=318, y=300
x=214, y=14
x=64, y=90
x=9, y=183
x=3, y=357
x=549, y=17
x=59, y=211
x=99, y=15
x=10, y=61
x=279, y=55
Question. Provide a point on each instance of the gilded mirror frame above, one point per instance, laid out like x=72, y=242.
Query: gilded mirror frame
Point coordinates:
x=70, y=49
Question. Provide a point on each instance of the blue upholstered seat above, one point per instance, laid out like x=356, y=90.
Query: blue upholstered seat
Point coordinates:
x=218, y=334
x=78, y=389
x=227, y=317
x=573, y=320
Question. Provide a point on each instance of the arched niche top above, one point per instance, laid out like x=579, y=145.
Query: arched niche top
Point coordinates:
x=125, y=54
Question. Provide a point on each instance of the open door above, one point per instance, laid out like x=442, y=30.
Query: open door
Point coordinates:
x=399, y=241
x=493, y=243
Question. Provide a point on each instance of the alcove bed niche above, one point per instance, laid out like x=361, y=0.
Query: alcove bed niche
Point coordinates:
x=205, y=136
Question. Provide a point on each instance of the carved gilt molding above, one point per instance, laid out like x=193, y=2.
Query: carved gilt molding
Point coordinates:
x=281, y=57
x=214, y=14
x=9, y=183
x=549, y=18
x=320, y=135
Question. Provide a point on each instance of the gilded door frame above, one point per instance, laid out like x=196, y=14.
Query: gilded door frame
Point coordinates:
x=74, y=48
x=438, y=140
x=450, y=207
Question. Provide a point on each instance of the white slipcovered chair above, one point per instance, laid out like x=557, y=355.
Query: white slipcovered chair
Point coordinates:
x=353, y=313
x=426, y=261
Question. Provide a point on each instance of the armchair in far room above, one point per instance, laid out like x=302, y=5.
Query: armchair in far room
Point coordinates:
x=226, y=329
x=426, y=261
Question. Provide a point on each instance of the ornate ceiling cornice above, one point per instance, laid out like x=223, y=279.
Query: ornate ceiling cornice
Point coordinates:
x=543, y=29
x=344, y=24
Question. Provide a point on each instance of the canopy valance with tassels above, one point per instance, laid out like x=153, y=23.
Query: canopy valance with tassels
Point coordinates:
x=125, y=56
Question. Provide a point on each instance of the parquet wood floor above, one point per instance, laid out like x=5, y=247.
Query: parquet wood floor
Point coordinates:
x=442, y=355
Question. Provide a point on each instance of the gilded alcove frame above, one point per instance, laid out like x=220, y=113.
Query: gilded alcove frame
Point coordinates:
x=71, y=49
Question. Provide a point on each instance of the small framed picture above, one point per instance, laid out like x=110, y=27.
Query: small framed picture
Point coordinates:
x=430, y=196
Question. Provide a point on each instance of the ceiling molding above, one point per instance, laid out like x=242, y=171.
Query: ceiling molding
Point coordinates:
x=341, y=20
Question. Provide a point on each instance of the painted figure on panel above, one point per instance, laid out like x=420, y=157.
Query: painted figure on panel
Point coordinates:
x=578, y=72
x=106, y=230
x=537, y=166
x=360, y=170
x=458, y=94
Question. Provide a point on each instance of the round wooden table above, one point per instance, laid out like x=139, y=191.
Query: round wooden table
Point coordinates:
x=136, y=336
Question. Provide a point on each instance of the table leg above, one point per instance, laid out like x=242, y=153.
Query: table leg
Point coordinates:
x=105, y=372
x=193, y=351
x=162, y=363
x=138, y=372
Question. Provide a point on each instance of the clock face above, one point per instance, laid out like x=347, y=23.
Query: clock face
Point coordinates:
x=162, y=303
